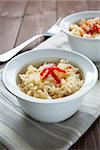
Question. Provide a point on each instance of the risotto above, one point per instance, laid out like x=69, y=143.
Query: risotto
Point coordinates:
x=88, y=28
x=51, y=80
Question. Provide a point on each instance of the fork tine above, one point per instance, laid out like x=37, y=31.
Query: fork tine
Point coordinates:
x=58, y=21
x=55, y=28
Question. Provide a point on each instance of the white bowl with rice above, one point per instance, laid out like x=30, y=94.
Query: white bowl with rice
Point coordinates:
x=83, y=30
x=56, y=96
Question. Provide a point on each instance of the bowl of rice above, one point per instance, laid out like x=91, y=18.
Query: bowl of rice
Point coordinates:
x=50, y=84
x=83, y=30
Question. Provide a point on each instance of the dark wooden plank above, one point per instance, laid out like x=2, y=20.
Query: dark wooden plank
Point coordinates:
x=11, y=13
x=39, y=16
x=93, y=5
x=3, y=147
x=12, y=8
x=67, y=7
x=9, y=28
x=90, y=140
x=43, y=11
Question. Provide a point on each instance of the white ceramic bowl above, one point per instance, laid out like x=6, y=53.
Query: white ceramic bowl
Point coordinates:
x=86, y=46
x=49, y=110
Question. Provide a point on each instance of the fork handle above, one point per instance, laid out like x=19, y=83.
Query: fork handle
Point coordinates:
x=11, y=53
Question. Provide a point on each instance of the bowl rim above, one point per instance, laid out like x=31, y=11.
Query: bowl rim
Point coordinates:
x=75, y=14
x=50, y=101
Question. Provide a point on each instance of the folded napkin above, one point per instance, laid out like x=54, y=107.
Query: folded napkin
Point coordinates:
x=20, y=132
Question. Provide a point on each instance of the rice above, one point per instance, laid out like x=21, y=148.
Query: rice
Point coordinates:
x=87, y=28
x=68, y=80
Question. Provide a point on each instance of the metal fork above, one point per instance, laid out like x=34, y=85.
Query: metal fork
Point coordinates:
x=11, y=53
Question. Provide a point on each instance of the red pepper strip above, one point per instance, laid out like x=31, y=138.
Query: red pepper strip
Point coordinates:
x=43, y=71
x=55, y=77
x=52, y=68
x=93, y=28
x=49, y=72
x=58, y=69
x=46, y=68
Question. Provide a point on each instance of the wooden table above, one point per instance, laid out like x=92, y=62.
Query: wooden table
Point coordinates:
x=19, y=20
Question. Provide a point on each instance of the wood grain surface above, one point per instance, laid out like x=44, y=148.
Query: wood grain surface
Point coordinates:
x=20, y=20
